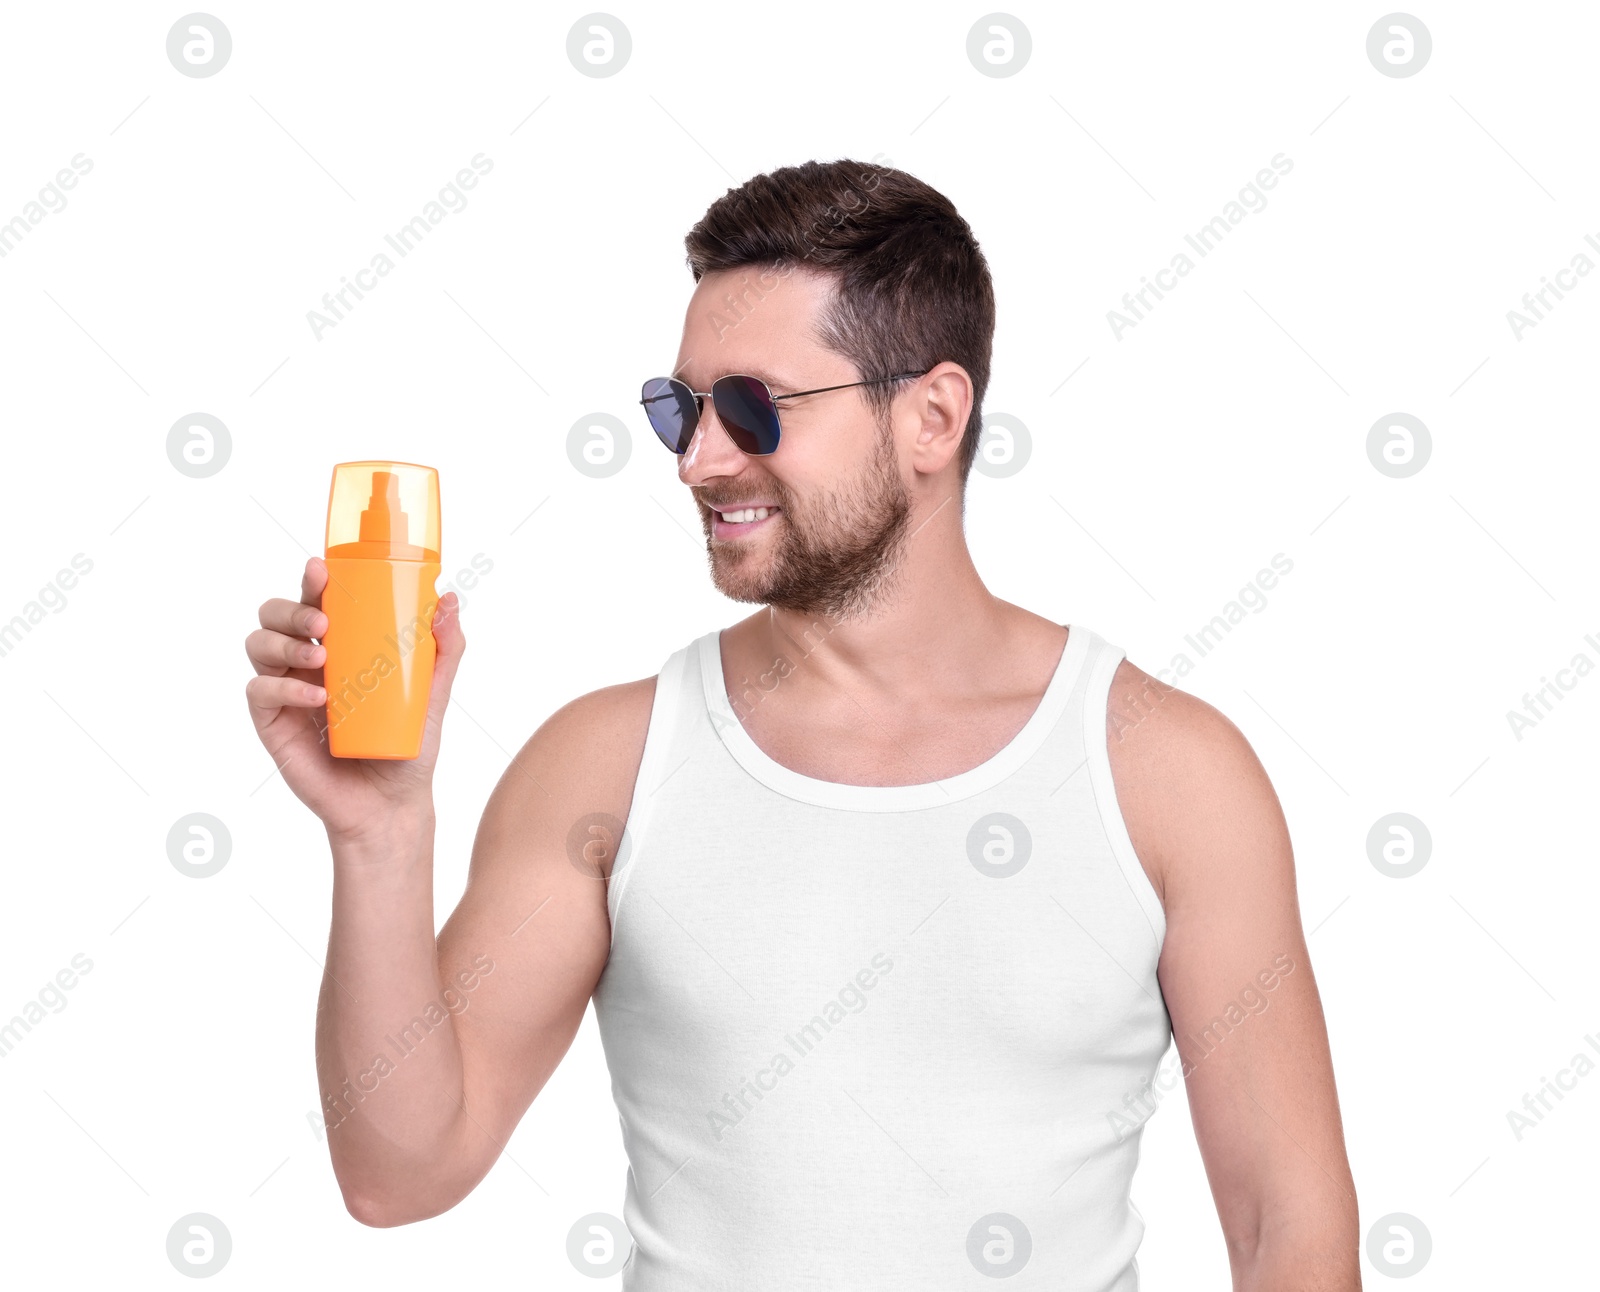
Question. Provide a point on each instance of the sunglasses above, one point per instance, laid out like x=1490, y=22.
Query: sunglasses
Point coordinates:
x=747, y=410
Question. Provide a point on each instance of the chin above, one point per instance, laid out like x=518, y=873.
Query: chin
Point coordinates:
x=738, y=583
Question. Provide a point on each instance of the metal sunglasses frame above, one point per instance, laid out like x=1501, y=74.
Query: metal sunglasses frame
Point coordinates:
x=700, y=396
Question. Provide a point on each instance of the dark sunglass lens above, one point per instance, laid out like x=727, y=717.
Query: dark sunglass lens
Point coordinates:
x=745, y=407
x=672, y=410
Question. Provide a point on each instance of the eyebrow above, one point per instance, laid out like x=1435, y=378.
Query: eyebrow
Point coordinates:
x=775, y=383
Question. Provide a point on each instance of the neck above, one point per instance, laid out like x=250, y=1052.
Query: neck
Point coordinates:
x=933, y=628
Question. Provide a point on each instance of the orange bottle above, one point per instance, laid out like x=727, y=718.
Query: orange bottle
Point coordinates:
x=383, y=557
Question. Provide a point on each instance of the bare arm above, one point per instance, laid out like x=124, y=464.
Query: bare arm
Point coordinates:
x=507, y=982
x=1246, y=1015
x=430, y=1050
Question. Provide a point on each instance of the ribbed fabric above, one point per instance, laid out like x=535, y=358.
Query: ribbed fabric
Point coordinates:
x=880, y=1038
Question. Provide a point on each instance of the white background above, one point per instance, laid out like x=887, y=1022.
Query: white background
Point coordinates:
x=1227, y=426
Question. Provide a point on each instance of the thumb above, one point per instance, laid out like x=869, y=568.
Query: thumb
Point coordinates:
x=451, y=643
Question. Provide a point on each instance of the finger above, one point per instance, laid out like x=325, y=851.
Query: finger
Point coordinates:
x=275, y=653
x=293, y=618
x=267, y=696
x=313, y=581
x=450, y=643
x=448, y=637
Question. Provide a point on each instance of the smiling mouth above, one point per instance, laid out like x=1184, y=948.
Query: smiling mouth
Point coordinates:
x=740, y=521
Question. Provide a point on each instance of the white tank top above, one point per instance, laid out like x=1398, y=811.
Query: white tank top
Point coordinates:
x=880, y=1037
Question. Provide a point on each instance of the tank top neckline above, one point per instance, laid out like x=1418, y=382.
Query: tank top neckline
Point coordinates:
x=889, y=798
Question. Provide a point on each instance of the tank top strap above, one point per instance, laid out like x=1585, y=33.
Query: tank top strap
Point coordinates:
x=675, y=713
x=1100, y=671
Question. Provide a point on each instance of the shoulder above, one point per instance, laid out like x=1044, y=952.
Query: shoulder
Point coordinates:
x=602, y=718
x=601, y=733
x=1193, y=794
x=583, y=759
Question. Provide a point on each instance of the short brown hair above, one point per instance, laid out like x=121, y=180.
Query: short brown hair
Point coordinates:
x=912, y=288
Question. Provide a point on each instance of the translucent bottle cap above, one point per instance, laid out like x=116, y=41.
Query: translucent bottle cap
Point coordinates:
x=384, y=511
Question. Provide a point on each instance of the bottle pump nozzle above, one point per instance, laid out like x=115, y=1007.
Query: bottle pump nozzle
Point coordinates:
x=384, y=520
x=386, y=511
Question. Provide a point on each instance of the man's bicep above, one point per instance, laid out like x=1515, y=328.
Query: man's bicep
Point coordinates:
x=532, y=927
x=1246, y=1016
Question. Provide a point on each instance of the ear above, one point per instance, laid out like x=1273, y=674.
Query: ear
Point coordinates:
x=941, y=402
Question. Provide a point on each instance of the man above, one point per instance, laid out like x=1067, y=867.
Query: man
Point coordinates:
x=889, y=897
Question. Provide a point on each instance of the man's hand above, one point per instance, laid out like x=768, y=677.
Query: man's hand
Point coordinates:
x=287, y=704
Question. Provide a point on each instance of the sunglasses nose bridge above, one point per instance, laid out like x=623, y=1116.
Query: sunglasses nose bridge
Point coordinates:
x=701, y=452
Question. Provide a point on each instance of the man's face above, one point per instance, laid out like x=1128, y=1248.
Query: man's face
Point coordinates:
x=843, y=507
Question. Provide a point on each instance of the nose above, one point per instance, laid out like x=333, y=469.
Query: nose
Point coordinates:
x=711, y=452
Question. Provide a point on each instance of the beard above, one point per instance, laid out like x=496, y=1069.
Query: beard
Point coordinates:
x=835, y=556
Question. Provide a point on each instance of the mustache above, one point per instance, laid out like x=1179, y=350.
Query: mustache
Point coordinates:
x=722, y=504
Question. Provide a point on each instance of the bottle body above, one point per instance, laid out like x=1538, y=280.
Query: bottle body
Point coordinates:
x=379, y=666
x=382, y=555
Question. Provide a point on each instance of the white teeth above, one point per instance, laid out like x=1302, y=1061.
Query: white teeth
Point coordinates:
x=749, y=513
